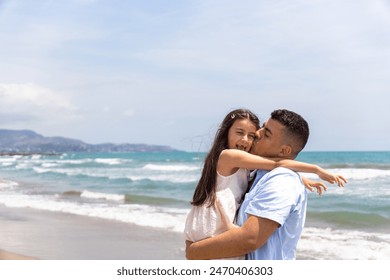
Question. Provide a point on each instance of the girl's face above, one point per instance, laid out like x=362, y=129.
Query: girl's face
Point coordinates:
x=241, y=135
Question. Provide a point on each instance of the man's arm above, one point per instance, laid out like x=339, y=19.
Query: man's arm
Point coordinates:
x=234, y=242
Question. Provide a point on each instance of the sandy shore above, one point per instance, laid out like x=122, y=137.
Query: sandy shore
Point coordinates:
x=4, y=255
x=36, y=234
x=29, y=233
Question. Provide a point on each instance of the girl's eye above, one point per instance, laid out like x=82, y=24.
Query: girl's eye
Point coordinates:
x=252, y=137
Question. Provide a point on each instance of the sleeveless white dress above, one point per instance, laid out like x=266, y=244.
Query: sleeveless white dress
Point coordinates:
x=203, y=222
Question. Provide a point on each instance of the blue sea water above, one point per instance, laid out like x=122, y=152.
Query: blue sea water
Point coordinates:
x=154, y=190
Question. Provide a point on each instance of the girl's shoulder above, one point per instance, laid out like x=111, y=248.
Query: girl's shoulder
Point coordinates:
x=229, y=155
x=225, y=164
x=239, y=172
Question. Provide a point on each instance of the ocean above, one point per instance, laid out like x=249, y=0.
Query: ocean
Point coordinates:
x=153, y=189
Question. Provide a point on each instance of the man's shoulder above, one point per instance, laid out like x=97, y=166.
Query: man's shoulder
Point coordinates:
x=281, y=172
x=280, y=179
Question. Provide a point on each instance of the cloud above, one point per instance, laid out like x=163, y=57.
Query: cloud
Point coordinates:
x=128, y=113
x=274, y=39
x=181, y=66
x=30, y=103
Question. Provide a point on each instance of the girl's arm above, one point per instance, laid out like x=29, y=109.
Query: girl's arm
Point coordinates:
x=312, y=185
x=312, y=168
x=231, y=159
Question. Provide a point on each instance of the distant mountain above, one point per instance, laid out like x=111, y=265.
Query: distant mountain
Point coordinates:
x=27, y=141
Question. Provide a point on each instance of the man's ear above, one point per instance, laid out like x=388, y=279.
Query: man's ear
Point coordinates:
x=286, y=151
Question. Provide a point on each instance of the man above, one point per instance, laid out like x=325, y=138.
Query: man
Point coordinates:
x=272, y=215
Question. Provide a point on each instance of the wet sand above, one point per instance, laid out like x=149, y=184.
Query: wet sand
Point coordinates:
x=27, y=233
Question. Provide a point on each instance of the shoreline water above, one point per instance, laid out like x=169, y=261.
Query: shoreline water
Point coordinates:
x=38, y=234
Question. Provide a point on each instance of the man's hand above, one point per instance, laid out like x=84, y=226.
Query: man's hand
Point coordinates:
x=234, y=242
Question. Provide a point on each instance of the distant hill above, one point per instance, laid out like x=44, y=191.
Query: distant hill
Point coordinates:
x=28, y=141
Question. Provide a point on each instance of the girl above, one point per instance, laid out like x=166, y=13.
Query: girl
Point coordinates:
x=221, y=187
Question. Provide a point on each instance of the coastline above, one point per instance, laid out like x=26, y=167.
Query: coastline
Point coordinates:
x=152, y=190
x=27, y=234
x=30, y=234
x=36, y=234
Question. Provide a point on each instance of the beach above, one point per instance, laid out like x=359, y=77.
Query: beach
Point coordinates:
x=133, y=206
x=28, y=233
x=4, y=255
x=38, y=234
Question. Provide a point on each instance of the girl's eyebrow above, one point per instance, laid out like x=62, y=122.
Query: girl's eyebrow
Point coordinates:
x=240, y=128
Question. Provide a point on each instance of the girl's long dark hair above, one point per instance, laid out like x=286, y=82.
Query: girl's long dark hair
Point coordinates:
x=206, y=188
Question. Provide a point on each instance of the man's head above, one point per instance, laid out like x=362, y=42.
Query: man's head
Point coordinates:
x=283, y=135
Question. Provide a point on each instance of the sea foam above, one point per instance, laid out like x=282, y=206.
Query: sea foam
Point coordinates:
x=102, y=196
x=331, y=244
x=143, y=215
x=157, y=167
x=355, y=173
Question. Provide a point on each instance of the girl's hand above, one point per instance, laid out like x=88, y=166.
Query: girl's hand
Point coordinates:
x=312, y=185
x=331, y=178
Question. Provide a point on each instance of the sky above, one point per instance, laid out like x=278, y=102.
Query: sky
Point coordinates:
x=167, y=72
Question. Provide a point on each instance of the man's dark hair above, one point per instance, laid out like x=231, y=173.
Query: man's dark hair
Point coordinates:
x=296, y=129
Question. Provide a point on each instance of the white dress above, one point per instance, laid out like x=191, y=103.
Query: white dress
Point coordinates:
x=203, y=221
